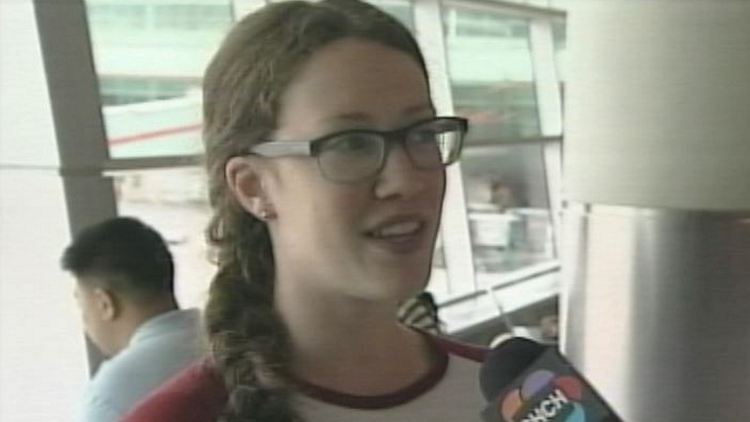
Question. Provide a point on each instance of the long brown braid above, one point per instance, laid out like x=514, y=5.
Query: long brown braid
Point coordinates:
x=250, y=344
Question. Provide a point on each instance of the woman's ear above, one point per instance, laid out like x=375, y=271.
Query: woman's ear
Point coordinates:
x=245, y=179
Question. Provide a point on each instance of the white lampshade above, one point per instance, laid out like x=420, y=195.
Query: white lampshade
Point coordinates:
x=658, y=104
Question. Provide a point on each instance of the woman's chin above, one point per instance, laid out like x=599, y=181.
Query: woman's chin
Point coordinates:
x=406, y=284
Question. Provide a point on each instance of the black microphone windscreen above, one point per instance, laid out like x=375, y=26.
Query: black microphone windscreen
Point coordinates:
x=525, y=381
x=505, y=363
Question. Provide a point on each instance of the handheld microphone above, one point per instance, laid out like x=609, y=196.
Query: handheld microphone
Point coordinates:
x=526, y=382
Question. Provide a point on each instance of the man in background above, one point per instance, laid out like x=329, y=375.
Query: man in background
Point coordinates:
x=124, y=287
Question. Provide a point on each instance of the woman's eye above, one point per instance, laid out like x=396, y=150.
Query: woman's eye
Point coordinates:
x=353, y=143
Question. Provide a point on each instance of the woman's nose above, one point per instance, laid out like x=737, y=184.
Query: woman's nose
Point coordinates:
x=399, y=176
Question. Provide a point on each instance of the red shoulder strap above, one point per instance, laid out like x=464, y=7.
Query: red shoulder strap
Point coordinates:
x=465, y=350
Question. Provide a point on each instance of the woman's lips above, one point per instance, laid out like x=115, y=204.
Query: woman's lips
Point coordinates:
x=405, y=228
x=400, y=237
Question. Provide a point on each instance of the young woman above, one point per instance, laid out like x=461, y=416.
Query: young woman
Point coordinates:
x=326, y=164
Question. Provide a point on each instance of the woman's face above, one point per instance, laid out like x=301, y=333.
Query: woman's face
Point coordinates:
x=371, y=239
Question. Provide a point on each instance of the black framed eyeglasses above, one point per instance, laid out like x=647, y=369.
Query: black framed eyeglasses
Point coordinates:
x=353, y=155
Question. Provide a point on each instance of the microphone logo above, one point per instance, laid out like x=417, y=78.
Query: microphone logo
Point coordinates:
x=544, y=397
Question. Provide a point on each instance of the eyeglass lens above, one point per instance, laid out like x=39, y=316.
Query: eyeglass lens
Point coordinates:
x=358, y=155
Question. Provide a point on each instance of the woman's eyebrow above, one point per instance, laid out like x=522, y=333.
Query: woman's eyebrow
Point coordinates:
x=419, y=109
x=355, y=117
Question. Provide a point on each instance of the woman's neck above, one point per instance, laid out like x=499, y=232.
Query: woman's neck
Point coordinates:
x=352, y=346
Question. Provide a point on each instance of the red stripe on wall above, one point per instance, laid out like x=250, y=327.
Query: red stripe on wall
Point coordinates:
x=155, y=134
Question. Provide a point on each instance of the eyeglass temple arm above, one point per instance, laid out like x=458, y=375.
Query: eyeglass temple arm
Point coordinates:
x=281, y=148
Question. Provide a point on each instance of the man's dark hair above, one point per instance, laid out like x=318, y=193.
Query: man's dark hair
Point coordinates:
x=123, y=255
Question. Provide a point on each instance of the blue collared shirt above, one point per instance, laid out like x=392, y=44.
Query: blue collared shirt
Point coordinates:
x=159, y=348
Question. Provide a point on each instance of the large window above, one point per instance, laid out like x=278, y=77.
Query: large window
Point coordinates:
x=43, y=365
x=174, y=201
x=154, y=53
x=495, y=61
x=150, y=57
x=492, y=83
x=492, y=80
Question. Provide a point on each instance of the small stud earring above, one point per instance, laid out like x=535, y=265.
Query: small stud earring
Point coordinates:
x=264, y=214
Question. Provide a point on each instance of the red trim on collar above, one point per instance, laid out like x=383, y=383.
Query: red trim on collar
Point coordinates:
x=198, y=394
x=383, y=401
x=465, y=350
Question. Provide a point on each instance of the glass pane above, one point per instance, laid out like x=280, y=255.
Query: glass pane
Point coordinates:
x=173, y=201
x=508, y=206
x=559, y=39
x=150, y=57
x=512, y=240
x=42, y=348
x=400, y=9
x=491, y=75
x=41, y=336
x=439, y=284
